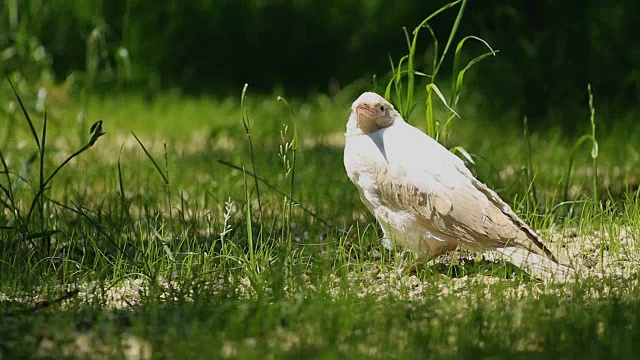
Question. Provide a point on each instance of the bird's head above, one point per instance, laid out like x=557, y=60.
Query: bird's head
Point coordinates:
x=369, y=113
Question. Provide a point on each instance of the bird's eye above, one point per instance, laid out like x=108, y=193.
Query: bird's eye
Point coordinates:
x=381, y=107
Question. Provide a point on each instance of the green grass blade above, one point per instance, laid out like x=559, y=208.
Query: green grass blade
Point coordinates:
x=464, y=153
x=249, y=225
x=594, y=144
x=436, y=48
x=452, y=34
x=436, y=13
x=529, y=161
x=436, y=90
x=165, y=247
x=410, y=72
x=9, y=188
x=244, y=110
x=41, y=182
x=387, y=90
x=459, y=74
x=96, y=132
x=574, y=150
x=34, y=134
x=42, y=148
x=164, y=177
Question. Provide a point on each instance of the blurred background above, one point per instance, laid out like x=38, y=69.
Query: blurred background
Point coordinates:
x=548, y=51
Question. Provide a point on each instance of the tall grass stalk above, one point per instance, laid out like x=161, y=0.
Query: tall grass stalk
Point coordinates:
x=163, y=174
x=289, y=166
x=528, y=171
x=39, y=230
x=244, y=111
x=168, y=184
x=249, y=225
x=591, y=137
x=403, y=99
x=594, y=145
x=8, y=201
x=287, y=153
x=92, y=62
x=403, y=94
x=124, y=201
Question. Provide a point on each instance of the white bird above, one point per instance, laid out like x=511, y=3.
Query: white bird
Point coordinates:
x=424, y=197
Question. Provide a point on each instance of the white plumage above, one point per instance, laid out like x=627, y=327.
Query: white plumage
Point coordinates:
x=426, y=199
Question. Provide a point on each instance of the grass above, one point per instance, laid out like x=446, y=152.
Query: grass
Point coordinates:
x=199, y=227
x=174, y=257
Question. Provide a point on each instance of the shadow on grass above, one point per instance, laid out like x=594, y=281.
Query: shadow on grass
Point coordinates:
x=471, y=267
x=591, y=320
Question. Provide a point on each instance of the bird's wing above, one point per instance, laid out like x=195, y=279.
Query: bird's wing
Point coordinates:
x=363, y=160
x=425, y=177
x=537, y=265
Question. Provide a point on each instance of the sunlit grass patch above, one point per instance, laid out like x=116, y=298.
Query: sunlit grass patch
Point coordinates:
x=160, y=260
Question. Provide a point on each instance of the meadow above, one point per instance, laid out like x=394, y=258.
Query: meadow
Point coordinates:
x=200, y=227
x=160, y=224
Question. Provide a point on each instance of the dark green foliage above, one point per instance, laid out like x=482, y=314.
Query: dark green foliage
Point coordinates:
x=548, y=51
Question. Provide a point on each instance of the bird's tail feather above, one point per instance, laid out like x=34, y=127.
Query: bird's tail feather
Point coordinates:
x=537, y=265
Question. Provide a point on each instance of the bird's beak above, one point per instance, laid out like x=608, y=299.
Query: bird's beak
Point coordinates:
x=364, y=114
x=367, y=119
